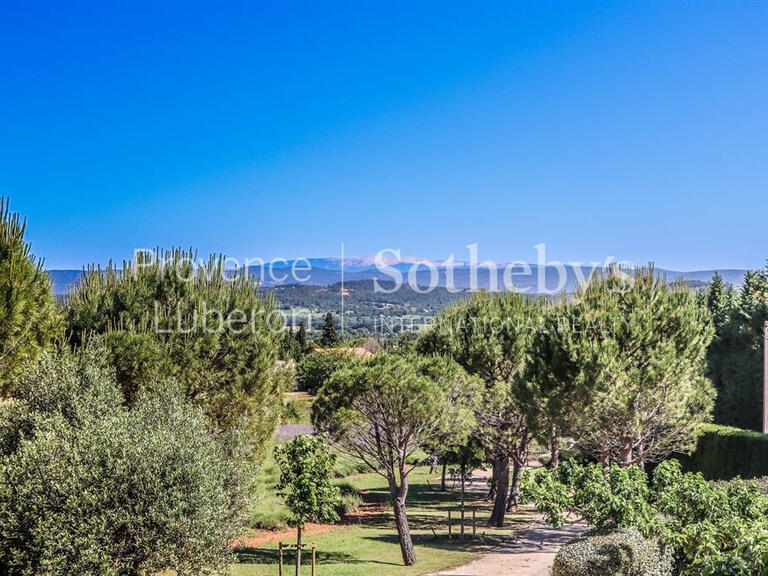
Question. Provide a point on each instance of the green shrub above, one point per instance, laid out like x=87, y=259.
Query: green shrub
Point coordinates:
x=613, y=552
x=349, y=501
x=292, y=411
x=314, y=369
x=88, y=486
x=713, y=528
x=724, y=453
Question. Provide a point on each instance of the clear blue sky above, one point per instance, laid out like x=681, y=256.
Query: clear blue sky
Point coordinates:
x=638, y=130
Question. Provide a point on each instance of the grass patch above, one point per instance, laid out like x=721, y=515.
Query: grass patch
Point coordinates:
x=270, y=513
x=370, y=546
x=297, y=408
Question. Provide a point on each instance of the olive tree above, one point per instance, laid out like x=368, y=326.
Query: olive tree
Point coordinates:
x=383, y=409
x=168, y=315
x=89, y=486
x=306, y=484
x=29, y=317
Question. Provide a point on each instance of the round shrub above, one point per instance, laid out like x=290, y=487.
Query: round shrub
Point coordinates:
x=89, y=486
x=613, y=552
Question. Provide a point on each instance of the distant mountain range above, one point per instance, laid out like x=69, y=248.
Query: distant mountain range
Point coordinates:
x=328, y=271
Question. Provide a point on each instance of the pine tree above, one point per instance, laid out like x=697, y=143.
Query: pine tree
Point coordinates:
x=29, y=316
x=329, y=337
x=623, y=372
x=719, y=301
x=172, y=317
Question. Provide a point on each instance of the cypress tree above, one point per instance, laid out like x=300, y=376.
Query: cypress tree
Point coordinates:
x=329, y=337
x=735, y=358
x=301, y=338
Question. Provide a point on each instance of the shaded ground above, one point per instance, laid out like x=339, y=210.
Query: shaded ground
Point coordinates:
x=532, y=554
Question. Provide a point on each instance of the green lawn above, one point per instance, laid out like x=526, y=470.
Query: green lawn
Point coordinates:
x=372, y=548
x=303, y=402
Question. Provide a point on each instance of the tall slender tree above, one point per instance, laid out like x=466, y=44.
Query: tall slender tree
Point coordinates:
x=306, y=484
x=29, y=316
x=735, y=357
x=329, y=336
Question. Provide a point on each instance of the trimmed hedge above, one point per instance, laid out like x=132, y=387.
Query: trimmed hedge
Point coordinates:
x=613, y=552
x=724, y=453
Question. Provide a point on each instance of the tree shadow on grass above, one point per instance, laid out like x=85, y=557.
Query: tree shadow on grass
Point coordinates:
x=469, y=544
x=271, y=556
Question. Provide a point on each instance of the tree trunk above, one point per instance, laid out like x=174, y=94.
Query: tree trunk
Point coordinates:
x=626, y=451
x=445, y=468
x=463, y=482
x=401, y=519
x=298, y=550
x=554, y=448
x=605, y=460
x=502, y=486
x=514, y=491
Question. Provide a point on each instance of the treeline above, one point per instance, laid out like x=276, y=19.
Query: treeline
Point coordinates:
x=366, y=312
x=618, y=369
x=735, y=358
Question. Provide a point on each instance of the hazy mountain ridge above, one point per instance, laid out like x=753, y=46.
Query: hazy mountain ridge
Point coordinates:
x=328, y=271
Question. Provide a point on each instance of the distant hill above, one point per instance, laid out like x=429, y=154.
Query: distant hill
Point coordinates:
x=328, y=271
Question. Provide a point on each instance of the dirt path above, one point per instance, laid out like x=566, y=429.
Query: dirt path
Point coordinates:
x=531, y=555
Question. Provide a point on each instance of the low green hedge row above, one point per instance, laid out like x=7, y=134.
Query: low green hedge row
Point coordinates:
x=724, y=453
x=613, y=552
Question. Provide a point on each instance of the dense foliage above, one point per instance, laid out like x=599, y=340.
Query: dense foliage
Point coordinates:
x=490, y=336
x=29, y=318
x=613, y=552
x=735, y=357
x=314, y=369
x=627, y=355
x=711, y=528
x=88, y=486
x=166, y=316
x=366, y=311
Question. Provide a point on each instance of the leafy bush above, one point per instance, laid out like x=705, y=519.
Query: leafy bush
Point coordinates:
x=712, y=528
x=88, y=486
x=292, y=411
x=306, y=466
x=613, y=552
x=349, y=501
x=316, y=368
x=724, y=453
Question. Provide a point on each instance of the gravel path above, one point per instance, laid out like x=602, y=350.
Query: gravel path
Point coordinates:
x=531, y=555
x=288, y=431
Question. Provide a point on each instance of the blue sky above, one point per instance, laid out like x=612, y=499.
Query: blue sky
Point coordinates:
x=636, y=130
